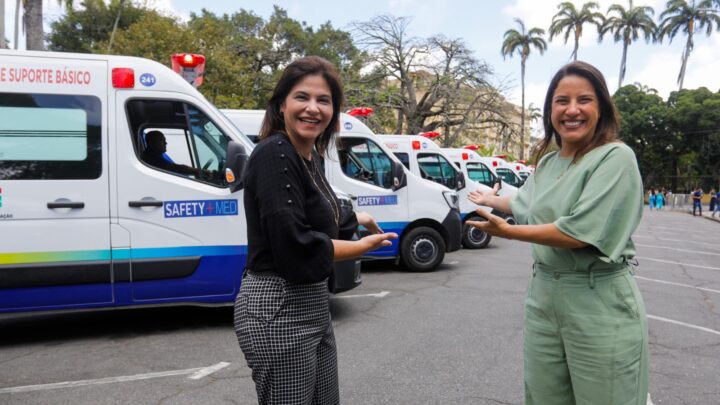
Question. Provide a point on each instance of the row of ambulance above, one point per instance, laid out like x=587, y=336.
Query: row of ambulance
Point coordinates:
x=88, y=223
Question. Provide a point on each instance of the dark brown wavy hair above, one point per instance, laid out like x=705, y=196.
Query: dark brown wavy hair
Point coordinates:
x=608, y=124
x=292, y=75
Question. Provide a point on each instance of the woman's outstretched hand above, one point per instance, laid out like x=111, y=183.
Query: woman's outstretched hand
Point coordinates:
x=493, y=224
x=377, y=240
x=368, y=222
x=480, y=197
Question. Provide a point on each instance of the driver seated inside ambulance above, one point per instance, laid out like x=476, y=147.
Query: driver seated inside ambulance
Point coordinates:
x=154, y=156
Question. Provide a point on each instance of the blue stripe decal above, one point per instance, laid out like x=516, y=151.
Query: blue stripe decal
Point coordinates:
x=393, y=225
x=154, y=253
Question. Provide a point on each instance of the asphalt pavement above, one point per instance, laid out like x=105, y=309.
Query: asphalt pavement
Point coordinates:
x=453, y=336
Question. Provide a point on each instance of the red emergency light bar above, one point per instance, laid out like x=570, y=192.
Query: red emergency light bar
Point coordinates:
x=188, y=60
x=123, y=78
x=472, y=147
x=430, y=135
x=501, y=156
x=191, y=66
x=360, y=112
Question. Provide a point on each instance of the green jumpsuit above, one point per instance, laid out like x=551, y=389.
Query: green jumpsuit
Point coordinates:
x=585, y=331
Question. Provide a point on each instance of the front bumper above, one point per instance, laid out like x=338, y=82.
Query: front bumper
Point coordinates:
x=346, y=275
x=453, y=225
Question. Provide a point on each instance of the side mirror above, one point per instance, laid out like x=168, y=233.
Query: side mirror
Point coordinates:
x=235, y=160
x=460, y=180
x=398, y=176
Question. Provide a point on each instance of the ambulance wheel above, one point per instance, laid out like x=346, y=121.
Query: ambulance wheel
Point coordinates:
x=473, y=238
x=422, y=249
x=510, y=220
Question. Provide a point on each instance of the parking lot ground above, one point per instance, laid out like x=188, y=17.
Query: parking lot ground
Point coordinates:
x=453, y=336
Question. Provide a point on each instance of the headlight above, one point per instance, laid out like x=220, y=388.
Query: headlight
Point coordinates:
x=452, y=199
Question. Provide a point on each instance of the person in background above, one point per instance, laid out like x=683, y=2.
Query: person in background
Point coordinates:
x=659, y=200
x=651, y=198
x=713, y=200
x=154, y=156
x=717, y=205
x=697, y=200
x=282, y=315
x=585, y=331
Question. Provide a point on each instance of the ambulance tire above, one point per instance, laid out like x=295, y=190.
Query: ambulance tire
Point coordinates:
x=473, y=238
x=422, y=249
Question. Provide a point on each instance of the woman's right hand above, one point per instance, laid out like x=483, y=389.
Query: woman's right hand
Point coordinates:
x=377, y=240
x=480, y=197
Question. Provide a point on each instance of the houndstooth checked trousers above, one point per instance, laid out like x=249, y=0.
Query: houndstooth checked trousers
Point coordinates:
x=285, y=333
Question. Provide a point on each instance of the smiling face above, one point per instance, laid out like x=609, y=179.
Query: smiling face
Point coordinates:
x=307, y=111
x=575, y=113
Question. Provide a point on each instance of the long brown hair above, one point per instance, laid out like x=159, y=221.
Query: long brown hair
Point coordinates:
x=608, y=126
x=292, y=75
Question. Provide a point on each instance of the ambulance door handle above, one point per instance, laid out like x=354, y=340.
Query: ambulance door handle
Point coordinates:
x=145, y=203
x=66, y=204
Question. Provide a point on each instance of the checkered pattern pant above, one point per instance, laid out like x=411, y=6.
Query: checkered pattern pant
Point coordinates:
x=285, y=333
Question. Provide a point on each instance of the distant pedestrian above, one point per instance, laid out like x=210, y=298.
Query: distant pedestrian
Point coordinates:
x=651, y=198
x=659, y=201
x=717, y=205
x=713, y=199
x=697, y=198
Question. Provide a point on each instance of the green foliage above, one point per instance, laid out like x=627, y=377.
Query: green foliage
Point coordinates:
x=83, y=29
x=677, y=142
x=154, y=37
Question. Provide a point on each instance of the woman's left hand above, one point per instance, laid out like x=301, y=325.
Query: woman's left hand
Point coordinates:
x=493, y=225
x=368, y=222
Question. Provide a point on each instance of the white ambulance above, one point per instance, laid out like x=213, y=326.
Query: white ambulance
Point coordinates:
x=98, y=208
x=505, y=170
x=480, y=173
x=424, y=214
x=522, y=170
x=426, y=159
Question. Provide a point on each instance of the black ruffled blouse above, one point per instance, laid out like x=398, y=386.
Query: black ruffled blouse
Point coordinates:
x=290, y=222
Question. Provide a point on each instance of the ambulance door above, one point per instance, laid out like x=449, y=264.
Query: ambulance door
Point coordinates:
x=187, y=235
x=54, y=203
x=366, y=174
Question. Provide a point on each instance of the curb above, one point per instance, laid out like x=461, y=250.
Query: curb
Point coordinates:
x=707, y=216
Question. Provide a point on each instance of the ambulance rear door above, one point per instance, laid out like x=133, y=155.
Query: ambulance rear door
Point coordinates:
x=54, y=203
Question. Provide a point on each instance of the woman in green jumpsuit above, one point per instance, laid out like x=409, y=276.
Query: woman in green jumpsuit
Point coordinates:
x=585, y=339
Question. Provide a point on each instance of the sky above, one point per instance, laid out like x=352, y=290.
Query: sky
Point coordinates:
x=481, y=24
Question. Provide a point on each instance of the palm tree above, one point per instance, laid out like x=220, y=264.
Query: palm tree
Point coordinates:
x=33, y=23
x=679, y=15
x=17, y=24
x=522, y=42
x=626, y=25
x=2, y=24
x=570, y=20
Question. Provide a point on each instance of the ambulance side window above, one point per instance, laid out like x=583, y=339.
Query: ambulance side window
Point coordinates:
x=480, y=173
x=50, y=136
x=363, y=160
x=194, y=147
x=404, y=159
x=436, y=168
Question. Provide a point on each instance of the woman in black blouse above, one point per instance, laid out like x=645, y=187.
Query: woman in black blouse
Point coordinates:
x=295, y=232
